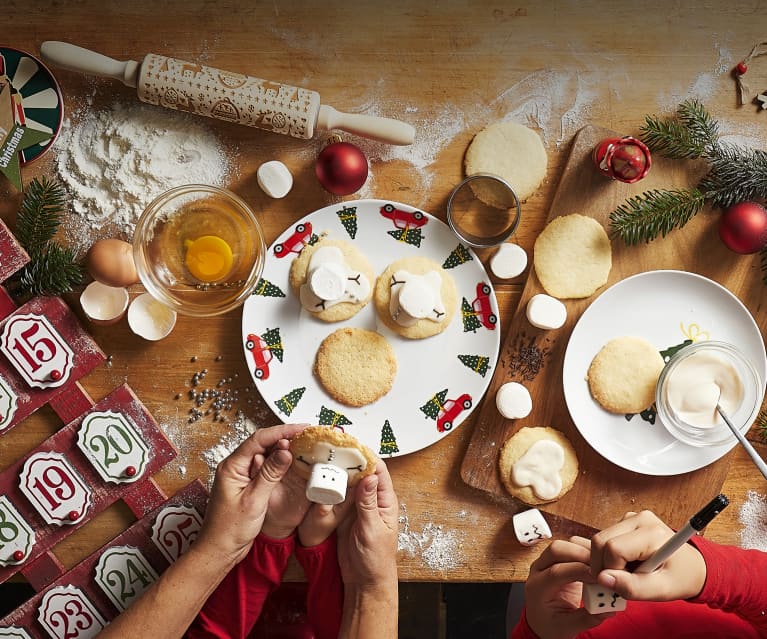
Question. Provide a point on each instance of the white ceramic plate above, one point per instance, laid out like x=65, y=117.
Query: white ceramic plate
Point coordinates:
x=666, y=308
x=434, y=391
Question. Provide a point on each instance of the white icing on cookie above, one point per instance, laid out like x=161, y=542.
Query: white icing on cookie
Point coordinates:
x=539, y=468
x=415, y=297
x=330, y=281
x=349, y=459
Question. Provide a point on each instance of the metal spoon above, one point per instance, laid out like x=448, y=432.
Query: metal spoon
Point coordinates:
x=744, y=442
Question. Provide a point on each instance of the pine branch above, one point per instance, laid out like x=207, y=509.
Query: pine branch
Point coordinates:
x=761, y=425
x=53, y=271
x=699, y=123
x=737, y=174
x=644, y=217
x=763, y=262
x=690, y=134
x=40, y=214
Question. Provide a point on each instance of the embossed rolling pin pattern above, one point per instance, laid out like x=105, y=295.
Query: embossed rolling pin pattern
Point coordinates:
x=224, y=95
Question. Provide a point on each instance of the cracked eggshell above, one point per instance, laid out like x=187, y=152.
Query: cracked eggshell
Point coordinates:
x=104, y=305
x=150, y=319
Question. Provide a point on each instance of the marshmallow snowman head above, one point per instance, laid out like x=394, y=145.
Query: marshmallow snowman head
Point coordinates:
x=327, y=484
x=530, y=527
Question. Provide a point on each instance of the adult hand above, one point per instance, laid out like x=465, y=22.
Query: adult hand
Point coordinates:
x=553, y=591
x=635, y=538
x=367, y=542
x=243, y=489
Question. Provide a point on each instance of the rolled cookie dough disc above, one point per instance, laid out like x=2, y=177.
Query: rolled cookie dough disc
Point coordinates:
x=356, y=367
x=572, y=256
x=518, y=444
x=511, y=151
x=624, y=373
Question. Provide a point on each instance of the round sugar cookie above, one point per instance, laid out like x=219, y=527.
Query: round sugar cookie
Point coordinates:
x=572, y=256
x=355, y=366
x=510, y=151
x=518, y=444
x=325, y=444
x=623, y=375
x=423, y=327
x=353, y=257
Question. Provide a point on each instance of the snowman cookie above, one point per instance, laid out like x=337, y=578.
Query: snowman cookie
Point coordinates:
x=538, y=465
x=332, y=279
x=330, y=460
x=415, y=297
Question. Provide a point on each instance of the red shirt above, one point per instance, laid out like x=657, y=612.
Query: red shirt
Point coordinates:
x=732, y=604
x=232, y=610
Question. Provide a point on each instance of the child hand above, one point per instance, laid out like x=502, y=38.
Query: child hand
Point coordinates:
x=287, y=507
x=635, y=538
x=553, y=591
x=320, y=522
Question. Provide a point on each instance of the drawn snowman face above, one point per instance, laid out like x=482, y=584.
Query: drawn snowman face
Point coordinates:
x=350, y=460
x=327, y=484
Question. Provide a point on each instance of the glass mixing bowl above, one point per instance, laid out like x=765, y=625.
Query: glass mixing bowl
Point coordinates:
x=742, y=416
x=199, y=250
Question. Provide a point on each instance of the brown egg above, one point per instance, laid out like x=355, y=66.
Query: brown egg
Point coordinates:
x=111, y=262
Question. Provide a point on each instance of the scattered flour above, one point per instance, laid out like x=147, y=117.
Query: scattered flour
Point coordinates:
x=753, y=516
x=239, y=430
x=115, y=161
x=439, y=549
x=705, y=84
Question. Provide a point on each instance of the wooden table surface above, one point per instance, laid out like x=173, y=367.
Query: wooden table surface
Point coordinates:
x=449, y=68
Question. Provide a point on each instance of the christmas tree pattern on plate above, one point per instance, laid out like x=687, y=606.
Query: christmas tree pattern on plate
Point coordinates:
x=280, y=339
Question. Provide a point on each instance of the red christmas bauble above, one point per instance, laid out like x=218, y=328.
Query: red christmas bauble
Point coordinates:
x=341, y=168
x=743, y=227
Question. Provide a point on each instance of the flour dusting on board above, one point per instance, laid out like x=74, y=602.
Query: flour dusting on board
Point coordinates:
x=439, y=549
x=753, y=516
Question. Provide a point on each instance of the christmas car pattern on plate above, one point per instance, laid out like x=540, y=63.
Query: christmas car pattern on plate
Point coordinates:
x=439, y=380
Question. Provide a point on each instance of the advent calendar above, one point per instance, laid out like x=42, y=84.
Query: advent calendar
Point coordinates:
x=106, y=451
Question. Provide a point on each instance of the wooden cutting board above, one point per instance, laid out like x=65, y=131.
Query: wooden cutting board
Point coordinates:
x=603, y=491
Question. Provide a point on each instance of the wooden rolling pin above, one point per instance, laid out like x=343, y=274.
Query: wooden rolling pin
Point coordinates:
x=224, y=95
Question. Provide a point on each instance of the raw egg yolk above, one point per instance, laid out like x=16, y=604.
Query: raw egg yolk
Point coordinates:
x=208, y=258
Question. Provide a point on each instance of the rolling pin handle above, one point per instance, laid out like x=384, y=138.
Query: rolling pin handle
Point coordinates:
x=382, y=129
x=74, y=58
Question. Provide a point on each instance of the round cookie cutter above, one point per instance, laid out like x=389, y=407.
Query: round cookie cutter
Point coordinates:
x=483, y=210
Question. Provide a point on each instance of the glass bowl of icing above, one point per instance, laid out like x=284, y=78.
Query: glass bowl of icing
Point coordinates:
x=199, y=250
x=694, y=380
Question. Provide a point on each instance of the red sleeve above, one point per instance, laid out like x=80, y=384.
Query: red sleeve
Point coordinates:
x=325, y=595
x=735, y=581
x=234, y=607
x=522, y=630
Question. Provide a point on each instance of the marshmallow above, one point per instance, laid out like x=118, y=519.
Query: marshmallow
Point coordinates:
x=274, y=178
x=530, y=527
x=327, y=484
x=328, y=281
x=598, y=600
x=508, y=261
x=544, y=311
x=513, y=401
x=416, y=298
